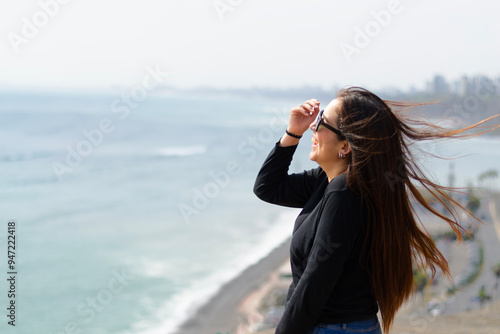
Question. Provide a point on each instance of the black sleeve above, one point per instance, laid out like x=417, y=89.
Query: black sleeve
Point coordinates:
x=276, y=186
x=338, y=229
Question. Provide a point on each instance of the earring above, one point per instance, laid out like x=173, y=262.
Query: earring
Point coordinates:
x=341, y=155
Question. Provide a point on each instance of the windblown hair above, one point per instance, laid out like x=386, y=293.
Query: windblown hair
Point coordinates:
x=384, y=171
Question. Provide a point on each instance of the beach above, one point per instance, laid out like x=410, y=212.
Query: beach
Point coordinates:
x=235, y=301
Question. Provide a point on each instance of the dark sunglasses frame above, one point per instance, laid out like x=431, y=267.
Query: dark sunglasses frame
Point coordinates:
x=320, y=121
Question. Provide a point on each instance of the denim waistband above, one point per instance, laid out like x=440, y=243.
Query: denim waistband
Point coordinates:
x=368, y=324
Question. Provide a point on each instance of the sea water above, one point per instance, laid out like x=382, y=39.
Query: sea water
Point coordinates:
x=129, y=218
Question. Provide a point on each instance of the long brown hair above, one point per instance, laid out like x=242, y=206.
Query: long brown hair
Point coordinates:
x=383, y=170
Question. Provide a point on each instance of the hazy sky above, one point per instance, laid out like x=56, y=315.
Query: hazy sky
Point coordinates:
x=242, y=43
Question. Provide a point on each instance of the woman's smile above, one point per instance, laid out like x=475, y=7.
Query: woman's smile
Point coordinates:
x=314, y=142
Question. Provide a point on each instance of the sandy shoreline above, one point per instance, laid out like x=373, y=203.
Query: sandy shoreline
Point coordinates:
x=223, y=312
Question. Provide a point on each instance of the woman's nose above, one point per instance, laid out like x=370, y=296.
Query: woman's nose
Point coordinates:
x=312, y=126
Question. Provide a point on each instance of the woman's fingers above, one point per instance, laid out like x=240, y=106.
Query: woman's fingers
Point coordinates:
x=302, y=109
x=309, y=107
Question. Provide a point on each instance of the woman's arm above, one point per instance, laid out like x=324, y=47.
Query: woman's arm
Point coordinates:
x=273, y=184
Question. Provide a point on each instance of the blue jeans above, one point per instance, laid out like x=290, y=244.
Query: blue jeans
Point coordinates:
x=370, y=326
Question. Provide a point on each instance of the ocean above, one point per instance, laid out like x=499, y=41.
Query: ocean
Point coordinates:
x=130, y=216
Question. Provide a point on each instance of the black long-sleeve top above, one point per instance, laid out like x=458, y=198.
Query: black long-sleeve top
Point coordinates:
x=330, y=285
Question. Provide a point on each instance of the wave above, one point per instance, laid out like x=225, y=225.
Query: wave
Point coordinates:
x=22, y=156
x=181, y=151
x=182, y=306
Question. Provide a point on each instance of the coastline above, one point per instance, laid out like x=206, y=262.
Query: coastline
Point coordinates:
x=223, y=312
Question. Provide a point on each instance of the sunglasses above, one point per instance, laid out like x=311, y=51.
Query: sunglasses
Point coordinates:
x=320, y=121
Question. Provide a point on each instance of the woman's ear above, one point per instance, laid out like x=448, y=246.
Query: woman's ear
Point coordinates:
x=346, y=148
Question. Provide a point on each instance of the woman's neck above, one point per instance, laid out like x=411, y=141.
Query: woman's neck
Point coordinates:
x=335, y=170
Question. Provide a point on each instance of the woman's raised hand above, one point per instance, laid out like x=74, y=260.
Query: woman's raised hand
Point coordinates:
x=302, y=116
x=299, y=120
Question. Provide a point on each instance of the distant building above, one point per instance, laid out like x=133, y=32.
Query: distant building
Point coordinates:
x=479, y=86
x=438, y=85
x=465, y=86
x=451, y=175
x=483, y=86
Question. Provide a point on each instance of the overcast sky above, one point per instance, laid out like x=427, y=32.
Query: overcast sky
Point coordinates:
x=91, y=44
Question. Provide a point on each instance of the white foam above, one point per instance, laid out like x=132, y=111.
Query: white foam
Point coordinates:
x=181, y=151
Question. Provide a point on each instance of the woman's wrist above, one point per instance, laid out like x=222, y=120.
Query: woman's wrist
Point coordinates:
x=293, y=134
x=288, y=140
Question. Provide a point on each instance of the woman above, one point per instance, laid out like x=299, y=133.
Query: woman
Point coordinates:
x=356, y=241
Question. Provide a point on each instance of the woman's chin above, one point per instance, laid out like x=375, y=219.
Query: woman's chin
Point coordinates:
x=312, y=156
